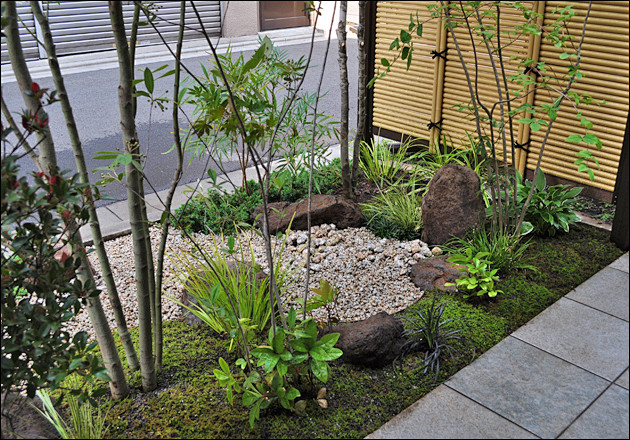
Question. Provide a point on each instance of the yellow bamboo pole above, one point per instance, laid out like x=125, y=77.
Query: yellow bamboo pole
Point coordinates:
x=438, y=95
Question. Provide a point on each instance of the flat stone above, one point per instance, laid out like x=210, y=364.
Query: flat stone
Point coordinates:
x=607, y=417
x=444, y=413
x=534, y=389
x=580, y=335
x=622, y=263
x=607, y=291
x=623, y=380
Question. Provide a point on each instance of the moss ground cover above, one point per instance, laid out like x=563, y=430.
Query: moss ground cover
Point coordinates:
x=189, y=403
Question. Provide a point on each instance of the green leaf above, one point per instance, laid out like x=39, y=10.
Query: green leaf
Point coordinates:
x=148, y=80
x=591, y=139
x=330, y=339
x=405, y=36
x=564, y=55
x=405, y=52
x=575, y=138
x=384, y=62
x=320, y=370
x=419, y=30
x=541, y=181
x=535, y=126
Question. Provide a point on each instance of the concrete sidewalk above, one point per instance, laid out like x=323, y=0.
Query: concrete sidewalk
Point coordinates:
x=562, y=375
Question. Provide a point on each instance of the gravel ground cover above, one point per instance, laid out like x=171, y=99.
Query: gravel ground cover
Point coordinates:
x=369, y=272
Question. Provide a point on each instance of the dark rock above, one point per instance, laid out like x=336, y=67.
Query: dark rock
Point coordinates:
x=452, y=205
x=325, y=209
x=374, y=342
x=433, y=273
x=258, y=275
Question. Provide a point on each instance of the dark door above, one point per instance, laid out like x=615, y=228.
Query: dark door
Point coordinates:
x=281, y=15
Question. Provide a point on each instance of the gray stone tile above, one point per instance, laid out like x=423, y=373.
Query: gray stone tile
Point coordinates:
x=607, y=417
x=622, y=263
x=623, y=380
x=444, y=413
x=535, y=390
x=607, y=291
x=580, y=335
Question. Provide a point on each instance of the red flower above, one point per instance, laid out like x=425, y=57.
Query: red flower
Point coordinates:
x=54, y=180
x=35, y=87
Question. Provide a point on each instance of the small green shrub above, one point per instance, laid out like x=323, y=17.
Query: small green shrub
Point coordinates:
x=427, y=330
x=395, y=213
x=289, y=356
x=383, y=166
x=245, y=299
x=551, y=208
x=478, y=275
x=505, y=251
x=218, y=212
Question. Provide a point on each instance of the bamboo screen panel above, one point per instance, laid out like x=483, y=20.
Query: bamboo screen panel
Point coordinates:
x=456, y=92
x=403, y=100
x=605, y=66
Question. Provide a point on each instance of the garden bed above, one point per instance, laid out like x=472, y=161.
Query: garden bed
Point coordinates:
x=189, y=403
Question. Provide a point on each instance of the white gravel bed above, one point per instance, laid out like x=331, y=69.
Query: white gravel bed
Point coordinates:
x=370, y=273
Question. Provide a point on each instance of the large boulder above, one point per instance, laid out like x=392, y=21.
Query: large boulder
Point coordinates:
x=433, y=273
x=374, y=342
x=325, y=209
x=452, y=205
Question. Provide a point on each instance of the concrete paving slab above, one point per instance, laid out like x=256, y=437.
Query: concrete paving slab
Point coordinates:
x=623, y=380
x=444, y=413
x=607, y=417
x=581, y=335
x=607, y=291
x=535, y=390
x=621, y=263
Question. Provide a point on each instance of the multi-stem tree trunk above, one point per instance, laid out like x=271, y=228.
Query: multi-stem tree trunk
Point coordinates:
x=157, y=319
x=346, y=176
x=97, y=236
x=135, y=198
x=362, y=95
x=48, y=160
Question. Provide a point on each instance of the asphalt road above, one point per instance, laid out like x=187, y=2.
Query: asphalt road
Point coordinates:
x=93, y=95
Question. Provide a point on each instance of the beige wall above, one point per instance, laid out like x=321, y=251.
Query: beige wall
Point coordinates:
x=240, y=18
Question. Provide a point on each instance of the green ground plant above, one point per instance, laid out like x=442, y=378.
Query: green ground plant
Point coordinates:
x=221, y=212
x=193, y=405
x=426, y=329
x=478, y=275
x=232, y=293
x=505, y=251
x=86, y=421
x=382, y=165
x=395, y=213
x=551, y=207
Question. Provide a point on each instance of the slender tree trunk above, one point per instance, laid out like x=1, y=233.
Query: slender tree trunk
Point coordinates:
x=157, y=328
x=346, y=176
x=362, y=95
x=121, y=323
x=134, y=198
x=48, y=159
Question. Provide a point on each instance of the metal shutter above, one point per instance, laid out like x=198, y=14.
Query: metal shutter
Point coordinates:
x=27, y=30
x=606, y=76
x=84, y=26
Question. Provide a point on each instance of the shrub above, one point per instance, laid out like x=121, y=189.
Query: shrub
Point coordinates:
x=218, y=212
x=505, y=251
x=245, y=299
x=395, y=214
x=41, y=293
x=551, y=208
